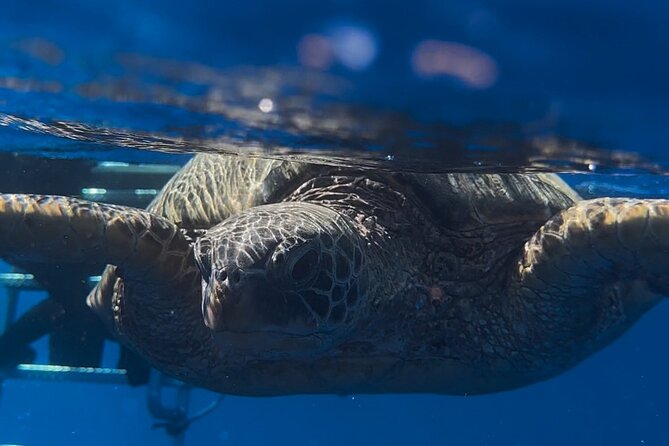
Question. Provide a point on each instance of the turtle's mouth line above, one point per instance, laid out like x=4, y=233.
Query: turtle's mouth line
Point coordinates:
x=271, y=342
x=272, y=332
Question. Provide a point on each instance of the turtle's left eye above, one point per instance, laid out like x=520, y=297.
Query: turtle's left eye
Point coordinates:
x=305, y=266
x=294, y=263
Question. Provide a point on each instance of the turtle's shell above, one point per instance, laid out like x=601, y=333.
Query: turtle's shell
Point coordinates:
x=464, y=201
x=210, y=188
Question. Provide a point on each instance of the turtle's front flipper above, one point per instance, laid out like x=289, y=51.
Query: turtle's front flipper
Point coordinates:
x=52, y=229
x=588, y=274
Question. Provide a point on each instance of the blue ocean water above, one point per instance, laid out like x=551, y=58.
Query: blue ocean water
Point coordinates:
x=571, y=86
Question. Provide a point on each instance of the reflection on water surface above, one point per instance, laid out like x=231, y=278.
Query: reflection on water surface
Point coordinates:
x=276, y=112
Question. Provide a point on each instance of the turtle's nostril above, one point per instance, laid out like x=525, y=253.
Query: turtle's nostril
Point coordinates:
x=221, y=275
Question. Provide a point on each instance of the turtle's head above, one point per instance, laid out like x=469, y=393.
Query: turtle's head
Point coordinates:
x=283, y=279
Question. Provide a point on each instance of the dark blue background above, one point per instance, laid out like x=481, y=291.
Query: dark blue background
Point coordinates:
x=595, y=70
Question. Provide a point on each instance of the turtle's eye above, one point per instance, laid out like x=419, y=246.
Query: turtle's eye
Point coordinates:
x=304, y=265
x=294, y=264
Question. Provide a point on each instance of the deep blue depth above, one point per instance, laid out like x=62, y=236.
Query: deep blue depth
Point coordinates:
x=594, y=70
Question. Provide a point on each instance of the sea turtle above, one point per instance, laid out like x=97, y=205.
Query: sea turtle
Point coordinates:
x=268, y=277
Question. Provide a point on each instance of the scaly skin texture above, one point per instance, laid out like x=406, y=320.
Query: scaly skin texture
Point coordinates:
x=475, y=283
x=585, y=277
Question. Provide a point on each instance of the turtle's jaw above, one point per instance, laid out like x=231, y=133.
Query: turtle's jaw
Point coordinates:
x=269, y=344
x=256, y=317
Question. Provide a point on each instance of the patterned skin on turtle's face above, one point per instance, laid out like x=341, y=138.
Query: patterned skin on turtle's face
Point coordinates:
x=287, y=278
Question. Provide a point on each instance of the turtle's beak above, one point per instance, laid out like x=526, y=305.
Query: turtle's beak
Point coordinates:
x=211, y=308
x=252, y=319
x=230, y=310
x=228, y=307
x=253, y=305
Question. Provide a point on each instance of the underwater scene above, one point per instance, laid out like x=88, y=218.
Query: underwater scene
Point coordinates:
x=336, y=222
